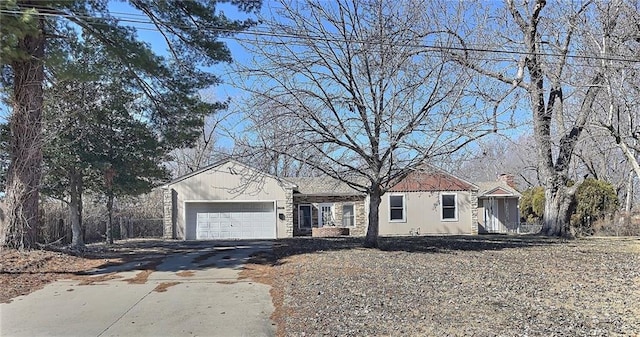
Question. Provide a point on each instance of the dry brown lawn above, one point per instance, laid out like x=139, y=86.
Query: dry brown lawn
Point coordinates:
x=416, y=286
x=454, y=286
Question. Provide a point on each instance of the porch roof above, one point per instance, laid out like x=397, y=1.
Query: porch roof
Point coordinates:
x=496, y=188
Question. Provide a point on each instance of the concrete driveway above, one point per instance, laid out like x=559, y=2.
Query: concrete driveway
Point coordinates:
x=193, y=292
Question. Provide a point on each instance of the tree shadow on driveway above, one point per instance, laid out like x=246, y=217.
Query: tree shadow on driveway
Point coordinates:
x=24, y=272
x=175, y=256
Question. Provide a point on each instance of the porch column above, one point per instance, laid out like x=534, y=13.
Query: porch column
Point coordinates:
x=474, y=212
x=169, y=214
x=288, y=212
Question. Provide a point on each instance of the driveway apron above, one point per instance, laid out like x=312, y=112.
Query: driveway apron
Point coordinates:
x=192, y=293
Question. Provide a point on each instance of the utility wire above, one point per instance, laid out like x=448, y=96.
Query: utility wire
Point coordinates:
x=325, y=38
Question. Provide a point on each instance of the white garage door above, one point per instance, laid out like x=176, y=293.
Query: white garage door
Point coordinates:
x=233, y=220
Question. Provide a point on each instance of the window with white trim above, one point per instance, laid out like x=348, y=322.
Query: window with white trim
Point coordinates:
x=397, y=208
x=449, y=206
x=325, y=215
x=348, y=215
x=304, y=216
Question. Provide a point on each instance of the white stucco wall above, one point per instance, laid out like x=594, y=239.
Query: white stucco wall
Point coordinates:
x=423, y=211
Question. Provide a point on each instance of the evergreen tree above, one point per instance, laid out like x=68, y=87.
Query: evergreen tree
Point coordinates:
x=127, y=152
x=98, y=136
x=191, y=30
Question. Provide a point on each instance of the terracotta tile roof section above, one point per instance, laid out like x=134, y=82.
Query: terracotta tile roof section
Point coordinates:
x=431, y=181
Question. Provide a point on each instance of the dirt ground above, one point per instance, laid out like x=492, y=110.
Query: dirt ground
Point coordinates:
x=454, y=286
x=417, y=286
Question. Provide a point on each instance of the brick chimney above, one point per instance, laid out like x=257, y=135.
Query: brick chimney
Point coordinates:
x=508, y=179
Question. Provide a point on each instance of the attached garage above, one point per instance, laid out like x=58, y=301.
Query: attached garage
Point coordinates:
x=230, y=220
x=228, y=200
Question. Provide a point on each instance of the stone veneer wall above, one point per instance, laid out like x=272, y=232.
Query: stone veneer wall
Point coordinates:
x=359, y=208
x=329, y=232
x=474, y=212
x=289, y=213
x=169, y=213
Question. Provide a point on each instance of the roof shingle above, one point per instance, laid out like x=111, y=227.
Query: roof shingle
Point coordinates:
x=420, y=181
x=322, y=186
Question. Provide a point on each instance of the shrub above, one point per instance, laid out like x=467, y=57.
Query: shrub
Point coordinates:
x=595, y=199
x=532, y=204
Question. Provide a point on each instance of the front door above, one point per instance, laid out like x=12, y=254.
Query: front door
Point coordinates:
x=304, y=216
x=491, y=223
x=325, y=215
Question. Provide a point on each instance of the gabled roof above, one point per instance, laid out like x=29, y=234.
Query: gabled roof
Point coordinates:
x=323, y=186
x=222, y=162
x=430, y=180
x=496, y=188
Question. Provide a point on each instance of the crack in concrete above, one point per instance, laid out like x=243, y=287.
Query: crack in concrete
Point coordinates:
x=124, y=313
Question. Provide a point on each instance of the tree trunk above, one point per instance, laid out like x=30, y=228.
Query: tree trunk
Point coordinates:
x=75, y=209
x=371, y=240
x=23, y=177
x=558, y=198
x=124, y=227
x=110, y=218
x=629, y=197
x=557, y=210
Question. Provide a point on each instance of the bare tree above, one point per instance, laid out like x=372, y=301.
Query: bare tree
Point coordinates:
x=619, y=102
x=265, y=144
x=205, y=150
x=502, y=155
x=541, y=44
x=599, y=157
x=362, y=95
